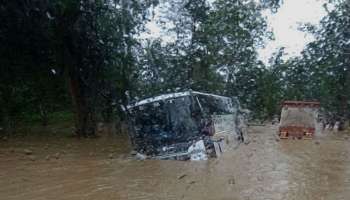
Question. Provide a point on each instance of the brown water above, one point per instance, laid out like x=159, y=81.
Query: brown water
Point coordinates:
x=264, y=169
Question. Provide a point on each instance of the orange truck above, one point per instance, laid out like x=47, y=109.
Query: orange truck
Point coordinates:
x=298, y=119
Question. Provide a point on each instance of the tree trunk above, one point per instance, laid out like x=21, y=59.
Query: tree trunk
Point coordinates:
x=85, y=116
x=43, y=114
x=347, y=94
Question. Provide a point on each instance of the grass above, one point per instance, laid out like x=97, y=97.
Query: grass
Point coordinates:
x=53, y=117
x=59, y=123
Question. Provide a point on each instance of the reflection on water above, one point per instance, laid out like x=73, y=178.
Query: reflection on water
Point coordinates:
x=263, y=169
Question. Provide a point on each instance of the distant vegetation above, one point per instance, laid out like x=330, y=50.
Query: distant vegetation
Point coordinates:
x=60, y=57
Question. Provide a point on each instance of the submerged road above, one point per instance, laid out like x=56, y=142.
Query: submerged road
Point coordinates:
x=264, y=169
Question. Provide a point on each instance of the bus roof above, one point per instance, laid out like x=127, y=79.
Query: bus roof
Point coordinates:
x=301, y=103
x=172, y=96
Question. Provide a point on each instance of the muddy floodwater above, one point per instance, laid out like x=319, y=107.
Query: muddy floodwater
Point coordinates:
x=98, y=169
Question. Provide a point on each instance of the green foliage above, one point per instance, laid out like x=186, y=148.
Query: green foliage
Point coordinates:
x=34, y=118
x=214, y=50
x=53, y=49
x=85, y=57
x=27, y=83
x=322, y=72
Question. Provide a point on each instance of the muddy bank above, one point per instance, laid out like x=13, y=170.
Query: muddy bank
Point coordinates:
x=99, y=169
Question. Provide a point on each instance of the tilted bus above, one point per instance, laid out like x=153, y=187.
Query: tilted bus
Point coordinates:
x=184, y=125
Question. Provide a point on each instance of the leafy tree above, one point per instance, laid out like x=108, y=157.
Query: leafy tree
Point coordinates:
x=27, y=82
x=214, y=47
x=80, y=41
x=322, y=72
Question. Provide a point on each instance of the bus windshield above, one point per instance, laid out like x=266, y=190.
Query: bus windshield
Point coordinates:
x=163, y=123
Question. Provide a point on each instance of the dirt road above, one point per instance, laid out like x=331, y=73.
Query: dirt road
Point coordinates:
x=264, y=169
